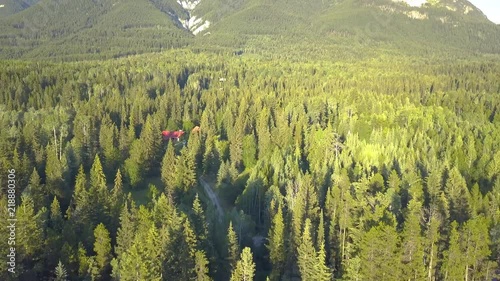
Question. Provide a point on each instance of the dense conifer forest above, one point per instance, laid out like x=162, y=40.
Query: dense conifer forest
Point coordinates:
x=377, y=168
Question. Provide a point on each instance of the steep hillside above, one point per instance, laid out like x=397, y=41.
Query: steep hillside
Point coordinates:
x=90, y=28
x=10, y=7
x=429, y=26
x=110, y=28
x=439, y=26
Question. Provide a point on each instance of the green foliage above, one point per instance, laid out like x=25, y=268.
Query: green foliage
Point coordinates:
x=249, y=151
x=379, y=253
x=102, y=247
x=201, y=268
x=276, y=246
x=245, y=267
x=61, y=273
x=168, y=169
x=36, y=190
x=306, y=254
x=233, y=248
x=346, y=169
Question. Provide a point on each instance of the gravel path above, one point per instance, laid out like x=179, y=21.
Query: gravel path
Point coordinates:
x=215, y=200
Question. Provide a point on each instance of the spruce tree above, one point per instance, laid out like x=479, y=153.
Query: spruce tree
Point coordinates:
x=276, y=245
x=102, y=248
x=149, y=141
x=97, y=177
x=29, y=234
x=245, y=267
x=200, y=226
x=168, y=169
x=476, y=246
x=322, y=271
x=56, y=219
x=80, y=194
x=185, y=171
x=412, y=244
x=232, y=246
x=61, y=273
x=458, y=195
x=37, y=190
x=201, y=267
x=54, y=173
x=126, y=232
x=455, y=263
x=379, y=254
x=307, y=257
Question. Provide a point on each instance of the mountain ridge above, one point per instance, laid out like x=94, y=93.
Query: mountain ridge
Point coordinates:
x=111, y=28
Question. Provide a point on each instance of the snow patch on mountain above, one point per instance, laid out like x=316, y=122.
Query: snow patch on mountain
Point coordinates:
x=189, y=5
x=412, y=3
x=416, y=15
x=193, y=23
x=451, y=8
x=202, y=27
x=468, y=9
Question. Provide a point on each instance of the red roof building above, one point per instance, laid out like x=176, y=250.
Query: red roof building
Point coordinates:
x=172, y=135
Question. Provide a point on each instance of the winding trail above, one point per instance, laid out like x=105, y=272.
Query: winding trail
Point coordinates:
x=215, y=200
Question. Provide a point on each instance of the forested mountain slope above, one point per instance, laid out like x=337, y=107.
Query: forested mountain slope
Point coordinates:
x=98, y=29
x=110, y=28
x=385, y=168
x=10, y=7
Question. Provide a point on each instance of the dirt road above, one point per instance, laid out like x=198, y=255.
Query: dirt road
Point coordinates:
x=213, y=197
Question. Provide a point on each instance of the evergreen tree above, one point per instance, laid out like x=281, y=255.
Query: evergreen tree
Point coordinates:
x=80, y=194
x=168, y=169
x=455, y=262
x=54, y=173
x=249, y=151
x=307, y=256
x=102, y=248
x=276, y=246
x=210, y=156
x=133, y=165
x=201, y=227
x=101, y=209
x=108, y=135
x=126, y=232
x=149, y=147
x=56, y=216
x=476, y=248
x=323, y=272
x=117, y=192
x=201, y=267
x=37, y=191
x=235, y=143
x=184, y=245
x=412, y=244
x=185, y=171
x=29, y=234
x=232, y=246
x=458, y=195
x=245, y=267
x=97, y=177
x=61, y=273
x=379, y=254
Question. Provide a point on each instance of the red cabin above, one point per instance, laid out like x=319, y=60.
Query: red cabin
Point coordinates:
x=172, y=135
